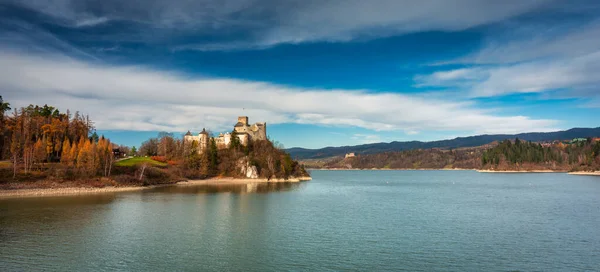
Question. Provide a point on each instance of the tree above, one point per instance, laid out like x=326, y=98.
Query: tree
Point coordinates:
x=94, y=137
x=85, y=158
x=38, y=152
x=15, y=146
x=4, y=107
x=235, y=143
x=105, y=155
x=133, y=151
x=149, y=147
x=213, y=157
x=66, y=155
x=194, y=160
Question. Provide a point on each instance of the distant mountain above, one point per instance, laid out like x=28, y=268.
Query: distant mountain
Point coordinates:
x=471, y=141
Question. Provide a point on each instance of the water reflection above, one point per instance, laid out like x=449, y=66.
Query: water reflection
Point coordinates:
x=230, y=188
x=10, y=204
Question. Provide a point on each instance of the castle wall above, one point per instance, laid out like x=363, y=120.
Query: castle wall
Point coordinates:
x=243, y=139
x=244, y=132
x=191, y=138
x=204, y=142
x=223, y=141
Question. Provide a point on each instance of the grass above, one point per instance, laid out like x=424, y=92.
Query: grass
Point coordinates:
x=139, y=160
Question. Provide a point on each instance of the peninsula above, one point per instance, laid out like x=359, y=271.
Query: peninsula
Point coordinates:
x=43, y=148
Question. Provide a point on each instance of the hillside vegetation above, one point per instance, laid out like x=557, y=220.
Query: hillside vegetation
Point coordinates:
x=506, y=155
x=460, y=142
x=519, y=155
x=467, y=158
x=261, y=157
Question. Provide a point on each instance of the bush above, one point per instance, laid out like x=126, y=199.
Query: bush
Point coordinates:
x=159, y=158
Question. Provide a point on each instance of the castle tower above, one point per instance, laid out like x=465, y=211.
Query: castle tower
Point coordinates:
x=243, y=120
x=204, y=141
x=188, y=137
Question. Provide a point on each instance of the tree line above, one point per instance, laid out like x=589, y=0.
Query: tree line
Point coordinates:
x=583, y=155
x=43, y=139
x=467, y=158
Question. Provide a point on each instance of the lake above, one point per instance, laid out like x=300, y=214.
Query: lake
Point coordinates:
x=341, y=220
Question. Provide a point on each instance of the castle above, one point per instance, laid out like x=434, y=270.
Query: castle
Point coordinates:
x=242, y=130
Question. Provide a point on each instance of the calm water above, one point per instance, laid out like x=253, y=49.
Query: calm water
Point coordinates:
x=342, y=220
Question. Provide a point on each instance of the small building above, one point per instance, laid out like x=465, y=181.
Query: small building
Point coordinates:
x=117, y=153
x=350, y=155
x=578, y=140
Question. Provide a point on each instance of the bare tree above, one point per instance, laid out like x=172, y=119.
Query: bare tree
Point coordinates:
x=144, y=166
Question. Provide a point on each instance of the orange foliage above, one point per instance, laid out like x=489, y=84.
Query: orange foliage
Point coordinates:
x=173, y=162
x=159, y=158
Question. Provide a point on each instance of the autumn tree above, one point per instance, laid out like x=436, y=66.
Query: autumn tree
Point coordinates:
x=66, y=156
x=4, y=107
x=85, y=158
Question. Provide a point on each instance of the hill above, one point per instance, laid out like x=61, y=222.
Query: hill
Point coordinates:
x=507, y=155
x=471, y=141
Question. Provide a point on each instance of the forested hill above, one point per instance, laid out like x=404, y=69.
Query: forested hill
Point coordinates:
x=471, y=141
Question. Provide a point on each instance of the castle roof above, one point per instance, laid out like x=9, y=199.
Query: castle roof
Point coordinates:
x=239, y=124
x=188, y=133
x=204, y=131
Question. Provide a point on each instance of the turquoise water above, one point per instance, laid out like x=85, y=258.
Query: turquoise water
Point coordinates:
x=341, y=220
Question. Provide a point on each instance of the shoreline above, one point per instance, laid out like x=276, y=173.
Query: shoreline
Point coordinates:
x=458, y=169
x=391, y=169
x=585, y=173
x=522, y=171
x=71, y=191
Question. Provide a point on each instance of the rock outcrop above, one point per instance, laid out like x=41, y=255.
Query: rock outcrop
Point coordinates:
x=249, y=171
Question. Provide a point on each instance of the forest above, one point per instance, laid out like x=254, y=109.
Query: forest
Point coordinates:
x=41, y=142
x=462, y=158
x=583, y=155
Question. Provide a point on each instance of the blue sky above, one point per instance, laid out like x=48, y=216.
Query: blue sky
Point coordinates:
x=320, y=73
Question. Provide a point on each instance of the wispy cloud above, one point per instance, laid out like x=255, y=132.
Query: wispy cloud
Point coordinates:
x=269, y=22
x=93, y=21
x=26, y=36
x=367, y=138
x=139, y=98
x=562, y=59
x=534, y=77
x=525, y=43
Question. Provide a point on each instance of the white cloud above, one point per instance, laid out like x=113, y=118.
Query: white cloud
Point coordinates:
x=138, y=98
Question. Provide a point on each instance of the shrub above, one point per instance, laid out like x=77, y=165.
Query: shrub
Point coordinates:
x=159, y=158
